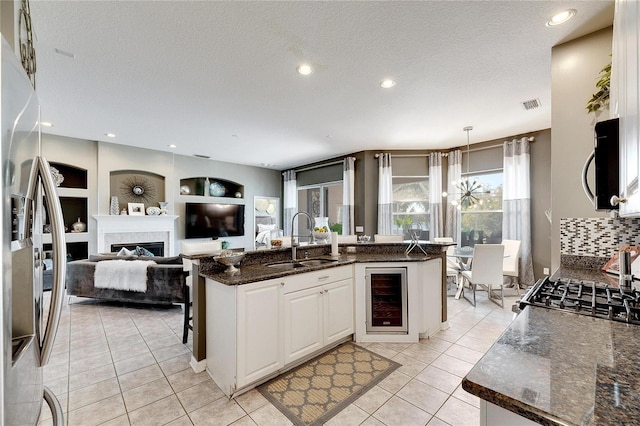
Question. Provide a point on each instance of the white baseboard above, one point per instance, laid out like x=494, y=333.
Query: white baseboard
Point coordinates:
x=198, y=366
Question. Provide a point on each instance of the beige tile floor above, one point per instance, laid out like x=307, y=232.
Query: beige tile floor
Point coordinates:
x=125, y=365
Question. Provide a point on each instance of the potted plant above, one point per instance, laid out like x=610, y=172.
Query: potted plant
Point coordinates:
x=600, y=99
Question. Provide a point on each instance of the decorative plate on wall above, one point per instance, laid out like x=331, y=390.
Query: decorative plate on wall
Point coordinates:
x=271, y=209
x=216, y=189
x=262, y=204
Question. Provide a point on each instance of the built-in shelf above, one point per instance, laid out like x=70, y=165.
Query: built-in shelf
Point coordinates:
x=73, y=194
x=74, y=177
x=216, y=188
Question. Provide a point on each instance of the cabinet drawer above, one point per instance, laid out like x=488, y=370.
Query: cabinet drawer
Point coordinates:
x=316, y=278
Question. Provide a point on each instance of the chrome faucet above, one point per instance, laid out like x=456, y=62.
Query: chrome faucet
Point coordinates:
x=294, y=245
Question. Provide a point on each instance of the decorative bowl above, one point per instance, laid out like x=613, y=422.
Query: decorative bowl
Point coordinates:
x=320, y=236
x=230, y=259
x=153, y=211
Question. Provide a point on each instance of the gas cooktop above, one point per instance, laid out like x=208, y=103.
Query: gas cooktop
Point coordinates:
x=591, y=298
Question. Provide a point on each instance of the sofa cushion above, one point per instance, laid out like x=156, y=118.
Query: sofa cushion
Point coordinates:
x=141, y=251
x=109, y=256
x=161, y=260
x=126, y=252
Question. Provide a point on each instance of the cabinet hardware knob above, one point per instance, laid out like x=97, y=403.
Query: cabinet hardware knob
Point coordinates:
x=615, y=200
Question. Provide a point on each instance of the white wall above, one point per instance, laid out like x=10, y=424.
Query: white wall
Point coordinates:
x=575, y=67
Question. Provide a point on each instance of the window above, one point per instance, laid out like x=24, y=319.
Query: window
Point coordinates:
x=482, y=222
x=322, y=200
x=411, y=205
x=410, y=183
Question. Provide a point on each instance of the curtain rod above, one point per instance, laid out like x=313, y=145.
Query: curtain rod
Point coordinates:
x=407, y=155
x=530, y=139
x=318, y=166
x=446, y=154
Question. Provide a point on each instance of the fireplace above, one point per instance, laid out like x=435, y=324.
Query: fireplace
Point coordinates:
x=386, y=300
x=127, y=231
x=157, y=247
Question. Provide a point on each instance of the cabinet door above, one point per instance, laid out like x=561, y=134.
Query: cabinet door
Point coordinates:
x=338, y=315
x=625, y=66
x=302, y=323
x=259, y=331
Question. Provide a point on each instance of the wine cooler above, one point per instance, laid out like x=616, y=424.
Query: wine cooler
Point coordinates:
x=386, y=302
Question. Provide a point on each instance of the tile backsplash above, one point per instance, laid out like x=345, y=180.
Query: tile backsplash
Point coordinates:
x=598, y=236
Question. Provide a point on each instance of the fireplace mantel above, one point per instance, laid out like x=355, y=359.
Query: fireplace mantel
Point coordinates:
x=112, y=229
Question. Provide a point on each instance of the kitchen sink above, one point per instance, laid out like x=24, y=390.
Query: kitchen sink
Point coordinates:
x=287, y=266
x=315, y=262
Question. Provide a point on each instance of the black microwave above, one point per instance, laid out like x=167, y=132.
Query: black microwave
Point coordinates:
x=606, y=155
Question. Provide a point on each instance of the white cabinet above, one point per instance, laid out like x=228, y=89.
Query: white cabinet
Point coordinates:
x=259, y=332
x=244, y=332
x=302, y=323
x=625, y=100
x=338, y=310
x=318, y=310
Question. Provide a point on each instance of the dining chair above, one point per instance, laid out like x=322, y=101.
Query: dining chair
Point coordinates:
x=347, y=239
x=511, y=262
x=486, y=272
x=453, y=269
x=193, y=248
x=379, y=238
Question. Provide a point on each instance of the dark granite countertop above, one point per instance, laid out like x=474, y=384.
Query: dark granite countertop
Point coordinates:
x=253, y=267
x=561, y=368
x=260, y=272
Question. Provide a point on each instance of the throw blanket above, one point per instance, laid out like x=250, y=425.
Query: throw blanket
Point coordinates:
x=129, y=275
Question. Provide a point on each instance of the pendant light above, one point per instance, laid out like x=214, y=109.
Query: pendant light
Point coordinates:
x=469, y=190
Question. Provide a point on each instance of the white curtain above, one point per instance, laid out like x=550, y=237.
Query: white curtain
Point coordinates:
x=516, y=203
x=454, y=215
x=385, y=195
x=290, y=199
x=348, y=197
x=435, y=195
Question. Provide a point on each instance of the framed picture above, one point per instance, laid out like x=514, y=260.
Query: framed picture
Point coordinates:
x=136, y=209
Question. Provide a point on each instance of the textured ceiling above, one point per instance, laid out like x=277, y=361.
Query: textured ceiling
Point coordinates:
x=219, y=79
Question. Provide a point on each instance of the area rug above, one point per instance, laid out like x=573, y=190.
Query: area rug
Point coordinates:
x=319, y=389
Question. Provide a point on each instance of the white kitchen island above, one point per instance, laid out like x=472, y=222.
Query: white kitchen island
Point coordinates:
x=265, y=321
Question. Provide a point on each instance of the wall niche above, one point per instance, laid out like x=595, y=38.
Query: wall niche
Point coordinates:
x=131, y=186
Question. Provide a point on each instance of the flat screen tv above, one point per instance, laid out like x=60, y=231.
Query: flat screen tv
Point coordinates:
x=213, y=220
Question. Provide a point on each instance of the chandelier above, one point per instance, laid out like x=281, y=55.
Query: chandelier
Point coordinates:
x=469, y=190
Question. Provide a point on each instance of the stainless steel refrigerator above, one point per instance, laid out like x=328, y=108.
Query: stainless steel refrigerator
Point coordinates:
x=29, y=321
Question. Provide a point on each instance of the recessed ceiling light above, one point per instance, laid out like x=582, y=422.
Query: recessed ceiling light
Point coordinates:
x=561, y=18
x=110, y=135
x=46, y=124
x=387, y=83
x=304, y=69
x=171, y=145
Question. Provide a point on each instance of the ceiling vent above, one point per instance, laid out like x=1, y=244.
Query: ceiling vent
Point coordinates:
x=201, y=156
x=531, y=104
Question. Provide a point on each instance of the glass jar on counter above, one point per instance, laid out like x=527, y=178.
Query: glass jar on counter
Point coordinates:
x=275, y=238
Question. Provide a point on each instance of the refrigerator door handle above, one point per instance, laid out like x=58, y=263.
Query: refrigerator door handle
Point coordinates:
x=43, y=172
